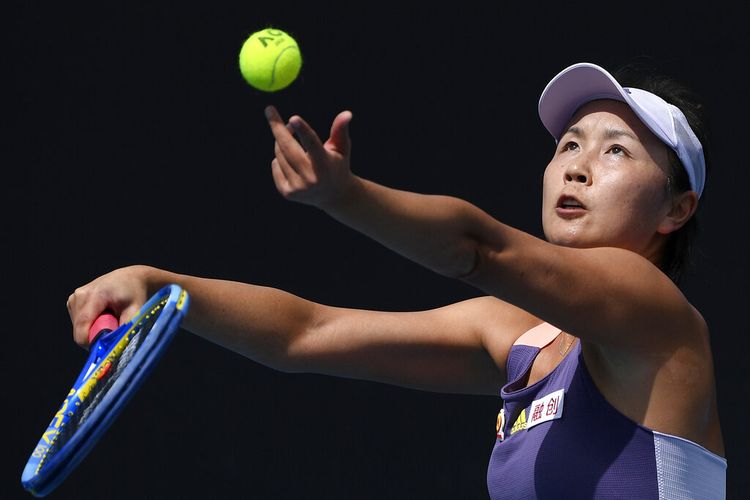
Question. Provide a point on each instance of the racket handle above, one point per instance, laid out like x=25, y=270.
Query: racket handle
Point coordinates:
x=105, y=323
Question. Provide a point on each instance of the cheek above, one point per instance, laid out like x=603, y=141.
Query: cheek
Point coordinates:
x=641, y=196
x=626, y=186
x=549, y=189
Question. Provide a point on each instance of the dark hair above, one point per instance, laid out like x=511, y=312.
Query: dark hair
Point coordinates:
x=678, y=252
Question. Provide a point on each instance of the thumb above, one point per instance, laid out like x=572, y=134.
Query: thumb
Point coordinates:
x=339, y=140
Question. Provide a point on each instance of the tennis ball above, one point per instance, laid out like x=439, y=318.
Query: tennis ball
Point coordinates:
x=270, y=60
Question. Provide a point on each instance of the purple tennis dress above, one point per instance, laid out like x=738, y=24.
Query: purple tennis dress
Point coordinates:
x=560, y=439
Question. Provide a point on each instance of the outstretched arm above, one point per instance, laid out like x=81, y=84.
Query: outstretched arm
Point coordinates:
x=459, y=348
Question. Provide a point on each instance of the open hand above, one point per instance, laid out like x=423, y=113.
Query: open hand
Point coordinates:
x=307, y=170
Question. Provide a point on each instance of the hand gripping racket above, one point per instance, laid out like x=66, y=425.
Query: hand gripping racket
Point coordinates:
x=120, y=359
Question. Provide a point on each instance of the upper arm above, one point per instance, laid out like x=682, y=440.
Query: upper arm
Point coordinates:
x=459, y=348
x=611, y=297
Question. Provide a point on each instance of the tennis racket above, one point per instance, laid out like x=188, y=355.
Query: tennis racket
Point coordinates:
x=120, y=359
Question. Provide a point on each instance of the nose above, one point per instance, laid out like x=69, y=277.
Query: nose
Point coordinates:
x=577, y=171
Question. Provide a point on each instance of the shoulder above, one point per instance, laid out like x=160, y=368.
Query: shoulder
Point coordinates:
x=667, y=385
x=604, y=295
x=673, y=356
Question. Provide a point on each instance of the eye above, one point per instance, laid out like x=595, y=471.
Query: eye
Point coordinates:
x=617, y=150
x=569, y=146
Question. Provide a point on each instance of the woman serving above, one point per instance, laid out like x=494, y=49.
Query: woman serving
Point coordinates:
x=604, y=367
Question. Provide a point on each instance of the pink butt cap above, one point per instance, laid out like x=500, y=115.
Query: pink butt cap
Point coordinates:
x=106, y=321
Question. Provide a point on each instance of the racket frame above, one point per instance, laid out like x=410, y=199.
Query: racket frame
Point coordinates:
x=44, y=473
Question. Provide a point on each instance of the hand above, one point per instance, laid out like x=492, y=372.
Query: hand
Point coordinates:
x=122, y=292
x=309, y=171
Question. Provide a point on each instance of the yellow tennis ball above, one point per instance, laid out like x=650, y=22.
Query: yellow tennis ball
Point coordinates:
x=270, y=60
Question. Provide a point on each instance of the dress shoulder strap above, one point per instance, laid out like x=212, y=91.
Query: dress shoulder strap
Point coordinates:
x=539, y=336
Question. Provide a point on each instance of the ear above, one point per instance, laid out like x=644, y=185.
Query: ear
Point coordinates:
x=683, y=207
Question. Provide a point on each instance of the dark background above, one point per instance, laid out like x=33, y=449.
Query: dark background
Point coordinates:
x=130, y=137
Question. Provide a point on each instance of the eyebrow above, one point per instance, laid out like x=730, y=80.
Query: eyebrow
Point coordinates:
x=574, y=130
x=614, y=133
x=609, y=133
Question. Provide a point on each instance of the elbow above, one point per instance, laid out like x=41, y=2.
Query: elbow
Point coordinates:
x=279, y=359
x=295, y=347
x=299, y=353
x=273, y=350
x=480, y=235
x=471, y=261
x=489, y=267
x=465, y=263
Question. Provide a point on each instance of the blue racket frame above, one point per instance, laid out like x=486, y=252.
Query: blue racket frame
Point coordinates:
x=44, y=473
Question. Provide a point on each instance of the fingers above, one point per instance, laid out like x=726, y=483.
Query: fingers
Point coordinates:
x=287, y=180
x=286, y=141
x=305, y=169
x=293, y=172
x=282, y=184
x=128, y=313
x=121, y=292
x=309, y=139
x=340, y=140
x=84, y=307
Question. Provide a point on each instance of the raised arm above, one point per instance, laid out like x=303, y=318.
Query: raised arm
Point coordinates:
x=609, y=296
x=459, y=348
x=429, y=229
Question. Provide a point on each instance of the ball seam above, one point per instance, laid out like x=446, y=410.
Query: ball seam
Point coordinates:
x=273, y=72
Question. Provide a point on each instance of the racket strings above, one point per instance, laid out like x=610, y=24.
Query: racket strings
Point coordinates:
x=111, y=377
x=83, y=409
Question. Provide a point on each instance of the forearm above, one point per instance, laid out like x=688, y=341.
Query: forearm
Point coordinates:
x=441, y=233
x=454, y=238
x=258, y=322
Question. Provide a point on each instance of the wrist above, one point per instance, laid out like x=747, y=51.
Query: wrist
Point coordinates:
x=345, y=196
x=152, y=278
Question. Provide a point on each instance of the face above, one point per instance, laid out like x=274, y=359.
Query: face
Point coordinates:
x=605, y=185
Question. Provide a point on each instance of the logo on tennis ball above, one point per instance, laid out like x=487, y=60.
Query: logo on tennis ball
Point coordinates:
x=270, y=60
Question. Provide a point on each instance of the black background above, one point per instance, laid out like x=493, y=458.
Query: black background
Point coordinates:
x=130, y=137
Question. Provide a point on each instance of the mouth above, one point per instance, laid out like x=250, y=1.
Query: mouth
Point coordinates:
x=569, y=207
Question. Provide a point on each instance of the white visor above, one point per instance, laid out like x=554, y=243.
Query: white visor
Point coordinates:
x=578, y=84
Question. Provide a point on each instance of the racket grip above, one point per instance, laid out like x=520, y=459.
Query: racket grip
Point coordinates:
x=106, y=322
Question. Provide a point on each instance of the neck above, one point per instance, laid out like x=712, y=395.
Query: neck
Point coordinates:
x=655, y=250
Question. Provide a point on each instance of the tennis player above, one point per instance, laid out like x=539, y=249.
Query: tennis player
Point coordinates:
x=604, y=367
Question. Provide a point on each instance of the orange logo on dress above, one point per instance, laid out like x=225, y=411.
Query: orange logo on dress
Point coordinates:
x=500, y=426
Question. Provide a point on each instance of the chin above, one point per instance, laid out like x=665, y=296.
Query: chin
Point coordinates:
x=568, y=242
x=571, y=237
x=567, y=235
